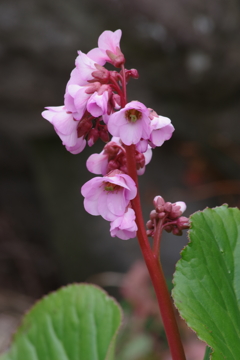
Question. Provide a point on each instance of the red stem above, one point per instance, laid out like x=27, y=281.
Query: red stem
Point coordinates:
x=152, y=259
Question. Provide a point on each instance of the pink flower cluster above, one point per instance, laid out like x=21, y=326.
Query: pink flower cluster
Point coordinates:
x=88, y=96
x=94, y=106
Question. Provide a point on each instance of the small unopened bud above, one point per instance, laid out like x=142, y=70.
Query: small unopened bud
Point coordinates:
x=140, y=160
x=153, y=215
x=111, y=149
x=182, y=205
x=101, y=74
x=134, y=73
x=149, y=232
x=183, y=223
x=168, y=228
x=112, y=165
x=149, y=224
x=177, y=209
x=104, y=135
x=177, y=231
x=84, y=127
x=161, y=215
x=168, y=207
x=92, y=88
x=104, y=88
x=92, y=137
x=117, y=59
x=124, y=169
x=158, y=201
x=116, y=100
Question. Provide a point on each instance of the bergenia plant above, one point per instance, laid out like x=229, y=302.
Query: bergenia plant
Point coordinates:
x=96, y=106
x=207, y=280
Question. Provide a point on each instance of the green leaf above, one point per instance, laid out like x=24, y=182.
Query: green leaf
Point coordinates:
x=207, y=280
x=207, y=354
x=77, y=322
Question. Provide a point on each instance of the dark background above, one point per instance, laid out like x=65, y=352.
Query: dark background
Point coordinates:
x=188, y=56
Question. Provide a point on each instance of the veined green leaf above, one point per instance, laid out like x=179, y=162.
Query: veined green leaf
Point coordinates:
x=207, y=280
x=77, y=322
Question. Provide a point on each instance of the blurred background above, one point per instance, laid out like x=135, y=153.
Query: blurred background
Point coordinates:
x=188, y=57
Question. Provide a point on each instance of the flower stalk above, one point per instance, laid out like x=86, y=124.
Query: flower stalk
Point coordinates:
x=152, y=257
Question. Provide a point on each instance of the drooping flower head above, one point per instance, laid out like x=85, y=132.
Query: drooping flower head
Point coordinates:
x=124, y=226
x=131, y=123
x=66, y=127
x=109, y=196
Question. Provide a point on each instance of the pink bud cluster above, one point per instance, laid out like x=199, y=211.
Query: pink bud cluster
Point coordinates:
x=170, y=216
x=94, y=106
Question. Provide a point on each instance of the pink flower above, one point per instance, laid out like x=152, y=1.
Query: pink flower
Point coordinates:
x=98, y=104
x=130, y=123
x=66, y=128
x=108, y=49
x=76, y=78
x=124, y=226
x=85, y=66
x=76, y=100
x=109, y=196
x=161, y=130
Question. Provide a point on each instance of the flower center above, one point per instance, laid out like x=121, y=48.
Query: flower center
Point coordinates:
x=111, y=187
x=133, y=115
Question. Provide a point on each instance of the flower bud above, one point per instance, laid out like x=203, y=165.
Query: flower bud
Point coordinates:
x=168, y=207
x=177, y=231
x=158, y=201
x=116, y=101
x=101, y=74
x=177, y=209
x=149, y=224
x=92, y=137
x=140, y=160
x=168, y=228
x=113, y=164
x=161, y=215
x=134, y=73
x=104, y=135
x=153, y=214
x=149, y=232
x=92, y=88
x=117, y=59
x=83, y=128
x=183, y=223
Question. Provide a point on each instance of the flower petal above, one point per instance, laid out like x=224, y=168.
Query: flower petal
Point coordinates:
x=131, y=133
x=116, y=202
x=97, y=164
